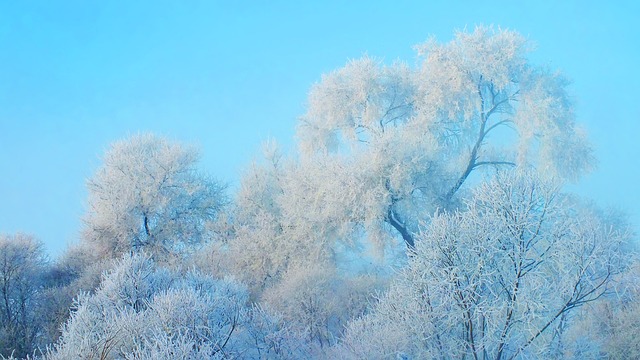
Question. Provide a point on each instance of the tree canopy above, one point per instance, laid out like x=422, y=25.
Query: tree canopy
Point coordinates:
x=149, y=195
x=471, y=104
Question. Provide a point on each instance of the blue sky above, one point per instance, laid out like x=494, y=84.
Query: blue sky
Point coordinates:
x=227, y=75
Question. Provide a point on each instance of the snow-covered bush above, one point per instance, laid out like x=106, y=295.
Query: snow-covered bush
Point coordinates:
x=140, y=311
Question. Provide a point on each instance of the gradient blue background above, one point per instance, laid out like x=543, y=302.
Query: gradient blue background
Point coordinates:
x=227, y=75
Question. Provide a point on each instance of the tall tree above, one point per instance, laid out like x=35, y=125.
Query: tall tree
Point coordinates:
x=148, y=195
x=495, y=281
x=424, y=131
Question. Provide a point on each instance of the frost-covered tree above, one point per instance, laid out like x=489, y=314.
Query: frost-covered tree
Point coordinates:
x=418, y=134
x=140, y=311
x=78, y=270
x=497, y=281
x=148, y=195
x=317, y=302
x=23, y=272
x=297, y=210
x=610, y=328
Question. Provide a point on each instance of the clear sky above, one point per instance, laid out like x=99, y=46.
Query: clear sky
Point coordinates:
x=227, y=75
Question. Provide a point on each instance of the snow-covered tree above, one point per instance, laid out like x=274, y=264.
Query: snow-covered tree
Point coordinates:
x=140, y=311
x=23, y=272
x=420, y=133
x=610, y=328
x=496, y=281
x=148, y=195
x=78, y=270
x=298, y=211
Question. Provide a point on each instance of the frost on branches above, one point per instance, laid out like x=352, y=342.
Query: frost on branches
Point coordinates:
x=140, y=311
x=497, y=281
x=148, y=195
x=23, y=268
x=423, y=131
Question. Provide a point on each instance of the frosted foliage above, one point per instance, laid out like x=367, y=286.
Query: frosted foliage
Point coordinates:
x=356, y=102
x=545, y=113
x=302, y=211
x=143, y=312
x=23, y=265
x=451, y=111
x=453, y=74
x=259, y=226
x=494, y=281
x=268, y=216
x=317, y=302
x=148, y=194
x=334, y=189
x=611, y=328
x=303, y=298
x=294, y=219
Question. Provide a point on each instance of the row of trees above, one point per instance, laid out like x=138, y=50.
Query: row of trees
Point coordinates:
x=423, y=217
